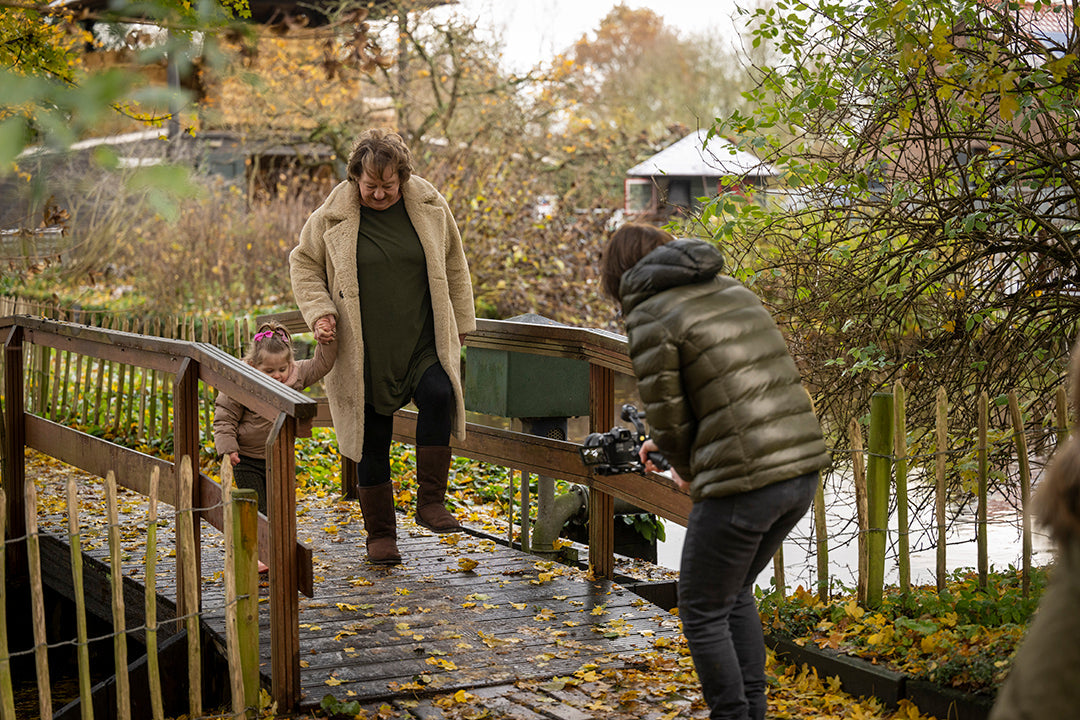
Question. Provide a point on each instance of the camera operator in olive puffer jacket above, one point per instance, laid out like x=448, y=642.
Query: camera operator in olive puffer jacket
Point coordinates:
x=726, y=406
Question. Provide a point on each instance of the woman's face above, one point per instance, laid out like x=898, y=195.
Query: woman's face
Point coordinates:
x=379, y=193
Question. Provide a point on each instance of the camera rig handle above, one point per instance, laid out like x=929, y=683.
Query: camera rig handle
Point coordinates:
x=631, y=415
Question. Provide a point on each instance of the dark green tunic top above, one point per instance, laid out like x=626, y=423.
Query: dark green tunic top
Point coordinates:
x=395, y=307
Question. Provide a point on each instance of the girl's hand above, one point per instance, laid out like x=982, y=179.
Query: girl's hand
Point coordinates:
x=325, y=329
x=234, y=458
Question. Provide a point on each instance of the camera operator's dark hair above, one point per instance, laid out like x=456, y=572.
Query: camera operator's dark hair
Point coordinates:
x=624, y=248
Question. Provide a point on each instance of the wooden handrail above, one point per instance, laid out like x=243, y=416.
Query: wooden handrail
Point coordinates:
x=606, y=354
x=557, y=458
x=244, y=383
x=190, y=363
x=598, y=347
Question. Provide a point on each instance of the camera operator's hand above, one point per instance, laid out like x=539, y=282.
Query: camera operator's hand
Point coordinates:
x=650, y=447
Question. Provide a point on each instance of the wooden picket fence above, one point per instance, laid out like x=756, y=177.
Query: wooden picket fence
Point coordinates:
x=881, y=467
x=133, y=402
x=241, y=600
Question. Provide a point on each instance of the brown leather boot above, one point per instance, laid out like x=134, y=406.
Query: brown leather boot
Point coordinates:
x=380, y=521
x=432, y=468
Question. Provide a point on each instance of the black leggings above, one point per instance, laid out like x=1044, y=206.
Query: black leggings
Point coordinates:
x=434, y=398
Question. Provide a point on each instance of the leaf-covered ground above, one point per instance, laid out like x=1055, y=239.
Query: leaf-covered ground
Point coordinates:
x=659, y=684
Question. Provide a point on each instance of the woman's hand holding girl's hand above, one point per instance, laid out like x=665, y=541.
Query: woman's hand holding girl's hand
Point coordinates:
x=325, y=329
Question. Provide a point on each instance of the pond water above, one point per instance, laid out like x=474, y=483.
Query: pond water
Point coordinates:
x=1004, y=540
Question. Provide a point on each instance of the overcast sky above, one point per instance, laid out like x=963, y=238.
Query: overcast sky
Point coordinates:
x=536, y=30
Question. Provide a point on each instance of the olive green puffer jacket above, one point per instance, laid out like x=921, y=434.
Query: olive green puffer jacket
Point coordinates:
x=723, y=398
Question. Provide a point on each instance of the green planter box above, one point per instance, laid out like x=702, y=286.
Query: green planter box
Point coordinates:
x=513, y=384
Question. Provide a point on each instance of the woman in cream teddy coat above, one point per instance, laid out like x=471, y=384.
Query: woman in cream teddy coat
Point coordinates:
x=382, y=257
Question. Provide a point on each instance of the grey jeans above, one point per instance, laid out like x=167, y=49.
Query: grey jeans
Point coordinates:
x=729, y=541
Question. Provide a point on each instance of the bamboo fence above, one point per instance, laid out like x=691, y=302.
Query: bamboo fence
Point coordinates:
x=882, y=467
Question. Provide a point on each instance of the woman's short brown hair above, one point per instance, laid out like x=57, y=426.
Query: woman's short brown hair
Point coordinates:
x=377, y=149
x=627, y=245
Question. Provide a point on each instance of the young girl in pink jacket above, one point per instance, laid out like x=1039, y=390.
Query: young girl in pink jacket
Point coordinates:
x=240, y=433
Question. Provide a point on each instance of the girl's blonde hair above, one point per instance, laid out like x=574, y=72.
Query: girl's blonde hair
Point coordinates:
x=270, y=339
x=1057, y=503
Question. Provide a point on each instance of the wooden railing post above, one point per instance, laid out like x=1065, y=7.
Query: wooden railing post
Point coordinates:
x=941, y=456
x=7, y=691
x=858, y=470
x=186, y=443
x=14, y=461
x=903, y=527
x=119, y=615
x=37, y=604
x=821, y=534
x=984, y=476
x=601, y=504
x=246, y=553
x=1025, y=489
x=284, y=567
x=153, y=671
x=186, y=522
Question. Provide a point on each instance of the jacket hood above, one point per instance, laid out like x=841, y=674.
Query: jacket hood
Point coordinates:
x=679, y=262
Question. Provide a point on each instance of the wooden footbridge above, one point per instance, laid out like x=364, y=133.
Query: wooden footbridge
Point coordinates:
x=461, y=612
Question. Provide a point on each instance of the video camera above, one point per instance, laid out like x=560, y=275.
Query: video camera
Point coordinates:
x=617, y=451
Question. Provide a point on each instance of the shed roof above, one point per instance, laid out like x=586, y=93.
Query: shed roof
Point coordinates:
x=693, y=156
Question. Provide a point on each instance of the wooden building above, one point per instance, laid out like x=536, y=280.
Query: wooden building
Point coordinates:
x=676, y=179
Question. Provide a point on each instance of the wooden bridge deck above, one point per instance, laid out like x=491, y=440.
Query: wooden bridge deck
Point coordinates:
x=430, y=626
x=462, y=612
